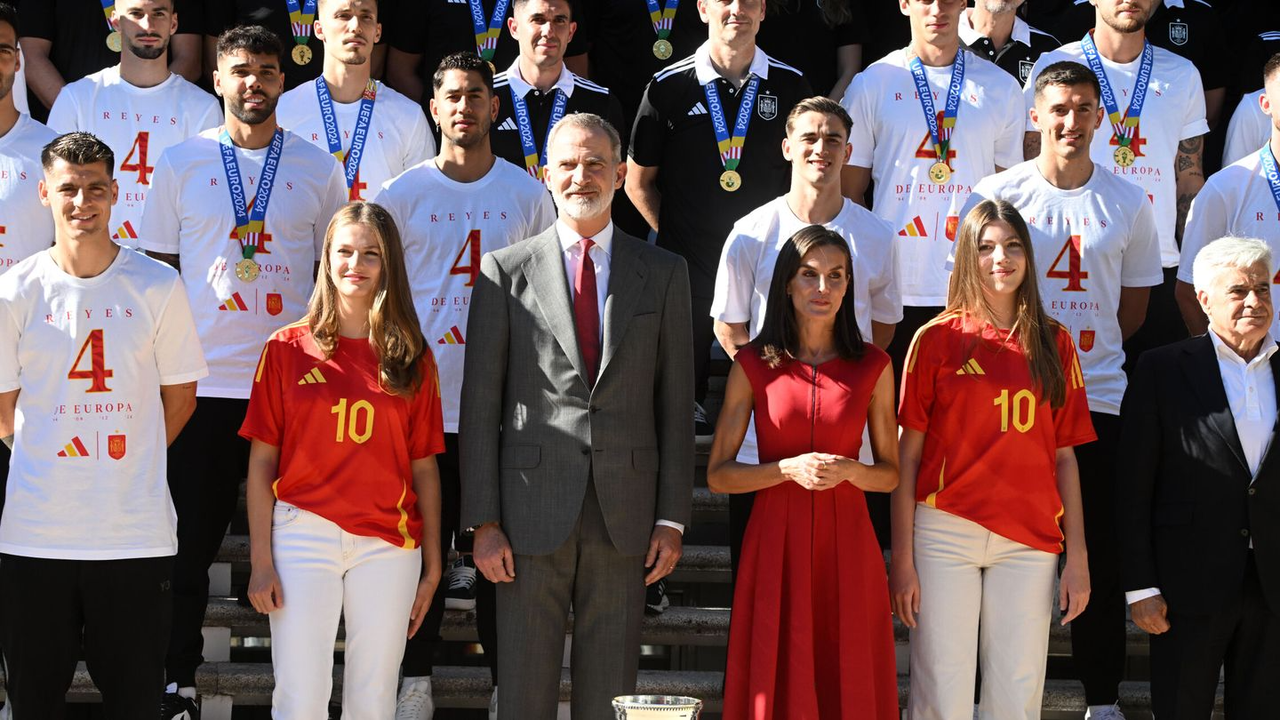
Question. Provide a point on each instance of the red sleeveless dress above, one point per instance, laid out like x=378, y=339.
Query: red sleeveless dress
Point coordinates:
x=811, y=636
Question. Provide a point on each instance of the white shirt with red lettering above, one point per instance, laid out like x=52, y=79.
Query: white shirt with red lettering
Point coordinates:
x=1237, y=201
x=446, y=226
x=190, y=215
x=1089, y=243
x=138, y=124
x=26, y=225
x=398, y=138
x=1173, y=112
x=87, y=480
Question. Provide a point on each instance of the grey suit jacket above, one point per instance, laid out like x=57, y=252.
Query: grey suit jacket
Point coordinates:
x=532, y=430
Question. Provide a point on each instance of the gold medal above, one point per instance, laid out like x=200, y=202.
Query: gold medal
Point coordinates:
x=940, y=173
x=301, y=54
x=730, y=180
x=114, y=42
x=247, y=270
x=662, y=49
x=1124, y=156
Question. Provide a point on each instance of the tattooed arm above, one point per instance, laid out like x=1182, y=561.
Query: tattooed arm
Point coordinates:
x=1189, y=171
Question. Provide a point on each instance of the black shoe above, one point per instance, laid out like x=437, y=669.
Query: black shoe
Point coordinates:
x=176, y=707
x=702, y=430
x=655, y=598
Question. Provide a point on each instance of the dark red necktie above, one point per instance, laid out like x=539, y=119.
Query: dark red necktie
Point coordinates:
x=585, y=311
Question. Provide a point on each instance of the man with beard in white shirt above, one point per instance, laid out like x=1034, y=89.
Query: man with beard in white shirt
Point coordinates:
x=1155, y=106
x=817, y=146
x=25, y=224
x=249, y=266
x=452, y=210
x=1098, y=252
x=374, y=131
x=1242, y=199
x=138, y=107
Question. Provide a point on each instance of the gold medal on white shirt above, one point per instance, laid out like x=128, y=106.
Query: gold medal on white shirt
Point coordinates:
x=940, y=173
x=247, y=270
x=1124, y=156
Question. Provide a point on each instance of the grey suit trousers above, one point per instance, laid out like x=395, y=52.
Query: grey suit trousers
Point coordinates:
x=607, y=592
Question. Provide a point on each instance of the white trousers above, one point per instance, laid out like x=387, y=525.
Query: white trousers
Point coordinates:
x=327, y=573
x=983, y=598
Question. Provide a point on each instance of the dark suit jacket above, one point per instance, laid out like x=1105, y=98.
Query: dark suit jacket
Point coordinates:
x=532, y=430
x=1187, y=506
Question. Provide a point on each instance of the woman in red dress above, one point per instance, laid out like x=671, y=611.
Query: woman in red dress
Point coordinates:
x=811, y=636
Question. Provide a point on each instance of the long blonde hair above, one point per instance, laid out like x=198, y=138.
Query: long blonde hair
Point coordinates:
x=394, y=332
x=1037, y=332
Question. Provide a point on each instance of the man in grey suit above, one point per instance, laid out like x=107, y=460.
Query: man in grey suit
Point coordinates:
x=576, y=439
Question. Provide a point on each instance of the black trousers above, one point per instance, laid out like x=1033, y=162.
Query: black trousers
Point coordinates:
x=420, y=648
x=1098, y=634
x=704, y=333
x=1243, y=640
x=206, y=464
x=114, y=612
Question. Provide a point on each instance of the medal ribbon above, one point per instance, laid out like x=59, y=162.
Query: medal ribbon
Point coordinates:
x=250, y=223
x=664, y=19
x=1122, y=126
x=941, y=136
x=351, y=159
x=1272, y=172
x=108, y=7
x=487, y=34
x=301, y=19
x=534, y=161
x=731, y=147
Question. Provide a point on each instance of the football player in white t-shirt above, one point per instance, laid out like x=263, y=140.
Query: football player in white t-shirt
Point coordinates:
x=920, y=184
x=1154, y=138
x=25, y=225
x=99, y=360
x=246, y=275
x=344, y=109
x=1096, y=245
x=138, y=107
x=1250, y=126
x=452, y=210
x=1240, y=200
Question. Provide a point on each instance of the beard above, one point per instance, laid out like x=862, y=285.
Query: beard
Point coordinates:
x=582, y=209
x=1126, y=26
x=469, y=141
x=6, y=85
x=146, y=52
x=252, y=117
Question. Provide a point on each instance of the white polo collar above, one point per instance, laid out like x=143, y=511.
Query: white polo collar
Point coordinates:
x=1021, y=30
x=706, y=72
x=564, y=83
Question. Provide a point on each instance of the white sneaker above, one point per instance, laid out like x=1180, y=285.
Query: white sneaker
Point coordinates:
x=493, y=704
x=1104, y=712
x=415, y=701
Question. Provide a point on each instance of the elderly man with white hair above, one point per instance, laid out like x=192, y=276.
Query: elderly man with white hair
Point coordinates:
x=1199, y=489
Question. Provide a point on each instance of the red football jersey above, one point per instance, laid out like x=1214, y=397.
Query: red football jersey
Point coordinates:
x=990, y=438
x=345, y=444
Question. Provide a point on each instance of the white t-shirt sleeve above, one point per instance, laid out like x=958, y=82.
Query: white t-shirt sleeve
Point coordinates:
x=1206, y=222
x=1009, y=143
x=862, y=134
x=421, y=146
x=210, y=118
x=886, y=297
x=1194, y=122
x=10, y=335
x=63, y=117
x=545, y=216
x=1248, y=130
x=161, y=224
x=335, y=196
x=735, y=280
x=179, y=358
x=1140, y=265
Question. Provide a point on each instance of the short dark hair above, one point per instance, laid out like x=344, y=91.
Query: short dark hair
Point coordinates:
x=1271, y=68
x=1066, y=73
x=8, y=14
x=466, y=62
x=253, y=39
x=78, y=148
x=521, y=3
x=824, y=105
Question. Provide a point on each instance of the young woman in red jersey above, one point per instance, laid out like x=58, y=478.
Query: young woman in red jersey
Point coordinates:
x=343, y=490
x=811, y=637
x=993, y=402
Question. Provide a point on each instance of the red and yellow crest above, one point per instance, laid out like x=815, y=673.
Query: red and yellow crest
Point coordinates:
x=116, y=446
x=1086, y=340
x=275, y=304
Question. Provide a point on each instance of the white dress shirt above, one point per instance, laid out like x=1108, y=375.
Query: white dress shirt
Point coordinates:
x=601, y=254
x=1251, y=394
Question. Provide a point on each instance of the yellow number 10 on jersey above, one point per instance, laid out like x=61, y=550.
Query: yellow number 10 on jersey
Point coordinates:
x=358, y=424
x=1022, y=408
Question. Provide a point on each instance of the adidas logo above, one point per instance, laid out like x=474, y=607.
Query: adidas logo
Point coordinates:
x=457, y=2
x=453, y=337
x=509, y=124
x=915, y=228
x=312, y=378
x=75, y=448
x=235, y=303
x=970, y=368
x=698, y=109
x=125, y=232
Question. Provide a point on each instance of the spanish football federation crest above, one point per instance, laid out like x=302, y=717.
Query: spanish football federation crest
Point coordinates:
x=1179, y=33
x=767, y=106
x=1024, y=70
x=115, y=446
x=275, y=303
x=1086, y=340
